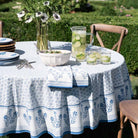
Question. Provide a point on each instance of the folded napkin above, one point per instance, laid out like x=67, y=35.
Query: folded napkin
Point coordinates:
x=60, y=76
x=80, y=77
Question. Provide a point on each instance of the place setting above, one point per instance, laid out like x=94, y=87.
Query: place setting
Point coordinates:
x=7, y=54
x=7, y=44
x=7, y=58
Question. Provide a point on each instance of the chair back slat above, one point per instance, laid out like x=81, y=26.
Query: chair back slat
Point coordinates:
x=0, y=28
x=110, y=28
x=95, y=28
x=99, y=39
x=120, y=40
x=115, y=45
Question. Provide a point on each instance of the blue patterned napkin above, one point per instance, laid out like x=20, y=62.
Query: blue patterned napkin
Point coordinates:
x=60, y=76
x=80, y=77
x=66, y=77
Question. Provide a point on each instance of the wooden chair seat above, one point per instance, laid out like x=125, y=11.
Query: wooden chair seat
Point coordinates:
x=95, y=28
x=129, y=111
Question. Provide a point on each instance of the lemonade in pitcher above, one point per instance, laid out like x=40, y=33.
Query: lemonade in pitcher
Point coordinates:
x=79, y=42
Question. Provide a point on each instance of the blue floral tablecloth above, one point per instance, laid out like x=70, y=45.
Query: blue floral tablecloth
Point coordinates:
x=27, y=104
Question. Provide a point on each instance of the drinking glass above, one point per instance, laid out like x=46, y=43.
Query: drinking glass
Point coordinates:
x=93, y=56
x=106, y=57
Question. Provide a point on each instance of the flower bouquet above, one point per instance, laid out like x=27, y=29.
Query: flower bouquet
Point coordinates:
x=43, y=13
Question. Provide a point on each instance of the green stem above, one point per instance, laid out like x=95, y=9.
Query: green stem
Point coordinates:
x=42, y=36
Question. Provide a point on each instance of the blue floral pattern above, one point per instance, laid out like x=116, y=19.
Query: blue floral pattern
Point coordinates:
x=56, y=120
x=27, y=117
x=40, y=119
x=121, y=96
x=95, y=113
x=72, y=116
x=84, y=111
x=10, y=118
x=107, y=105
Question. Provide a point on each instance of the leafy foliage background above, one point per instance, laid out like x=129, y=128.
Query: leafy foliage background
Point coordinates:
x=61, y=31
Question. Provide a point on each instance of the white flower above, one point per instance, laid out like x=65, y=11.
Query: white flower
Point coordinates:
x=44, y=17
x=46, y=3
x=29, y=20
x=21, y=14
x=39, y=14
x=56, y=16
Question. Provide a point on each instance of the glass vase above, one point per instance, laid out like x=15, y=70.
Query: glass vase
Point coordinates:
x=42, y=37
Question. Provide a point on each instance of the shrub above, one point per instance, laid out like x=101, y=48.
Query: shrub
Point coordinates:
x=4, y=1
x=66, y=6
x=107, y=11
x=128, y=3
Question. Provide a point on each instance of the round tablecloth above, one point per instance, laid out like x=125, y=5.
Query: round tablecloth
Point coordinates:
x=27, y=104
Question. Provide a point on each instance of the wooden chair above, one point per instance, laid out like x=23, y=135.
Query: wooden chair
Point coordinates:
x=95, y=28
x=129, y=111
x=0, y=28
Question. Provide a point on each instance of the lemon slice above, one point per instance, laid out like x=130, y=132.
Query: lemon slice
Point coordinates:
x=98, y=55
x=80, y=56
x=83, y=40
x=73, y=40
x=91, y=60
x=82, y=35
x=106, y=59
x=74, y=34
x=77, y=44
x=92, y=56
x=77, y=37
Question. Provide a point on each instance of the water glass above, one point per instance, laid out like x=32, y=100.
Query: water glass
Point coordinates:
x=93, y=57
x=106, y=57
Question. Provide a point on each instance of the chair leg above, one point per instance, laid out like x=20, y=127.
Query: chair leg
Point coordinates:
x=121, y=125
x=137, y=132
x=133, y=129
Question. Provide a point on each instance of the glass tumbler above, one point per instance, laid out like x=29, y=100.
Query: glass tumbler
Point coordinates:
x=93, y=56
x=106, y=57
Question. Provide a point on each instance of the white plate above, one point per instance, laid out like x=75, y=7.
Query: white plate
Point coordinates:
x=8, y=55
x=5, y=40
x=9, y=61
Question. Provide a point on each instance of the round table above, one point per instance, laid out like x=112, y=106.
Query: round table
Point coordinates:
x=27, y=104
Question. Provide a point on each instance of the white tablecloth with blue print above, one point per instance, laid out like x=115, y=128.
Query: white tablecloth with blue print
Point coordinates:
x=27, y=104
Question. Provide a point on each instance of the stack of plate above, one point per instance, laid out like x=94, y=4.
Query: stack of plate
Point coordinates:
x=7, y=58
x=7, y=44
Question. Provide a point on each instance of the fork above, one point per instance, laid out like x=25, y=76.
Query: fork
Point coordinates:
x=25, y=63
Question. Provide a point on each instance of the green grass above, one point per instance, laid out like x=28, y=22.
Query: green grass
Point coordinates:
x=134, y=83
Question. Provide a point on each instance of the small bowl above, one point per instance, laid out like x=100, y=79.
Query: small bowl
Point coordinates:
x=55, y=59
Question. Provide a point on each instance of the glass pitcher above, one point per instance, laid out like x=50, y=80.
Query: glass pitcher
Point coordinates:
x=79, y=42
